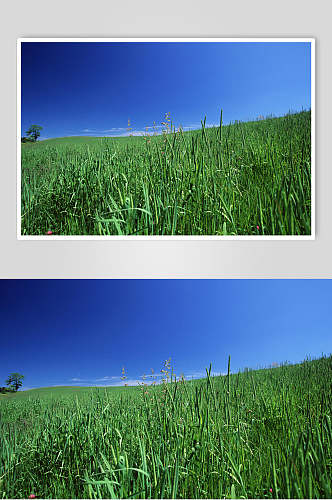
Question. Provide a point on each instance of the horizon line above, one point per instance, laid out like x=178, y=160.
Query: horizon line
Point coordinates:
x=142, y=133
x=189, y=378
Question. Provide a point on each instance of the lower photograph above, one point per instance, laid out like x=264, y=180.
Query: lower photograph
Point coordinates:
x=166, y=389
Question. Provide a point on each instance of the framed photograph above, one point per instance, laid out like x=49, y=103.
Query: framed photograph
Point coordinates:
x=166, y=138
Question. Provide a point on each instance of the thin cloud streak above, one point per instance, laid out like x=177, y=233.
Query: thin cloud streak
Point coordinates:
x=116, y=381
x=124, y=132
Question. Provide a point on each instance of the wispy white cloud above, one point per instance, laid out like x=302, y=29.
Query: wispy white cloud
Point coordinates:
x=153, y=127
x=128, y=381
x=202, y=374
x=154, y=375
x=97, y=131
x=116, y=380
x=106, y=378
x=123, y=131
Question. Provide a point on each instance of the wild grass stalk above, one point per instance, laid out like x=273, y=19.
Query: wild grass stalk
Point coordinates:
x=247, y=435
x=239, y=179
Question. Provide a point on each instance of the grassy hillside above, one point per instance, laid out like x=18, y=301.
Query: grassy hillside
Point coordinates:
x=256, y=434
x=242, y=179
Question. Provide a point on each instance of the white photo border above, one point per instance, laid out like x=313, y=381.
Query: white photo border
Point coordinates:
x=311, y=237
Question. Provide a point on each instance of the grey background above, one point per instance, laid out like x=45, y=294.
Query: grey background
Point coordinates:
x=165, y=259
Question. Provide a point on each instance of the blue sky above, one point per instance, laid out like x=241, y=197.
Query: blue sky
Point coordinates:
x=86, y=88
x=82, y=332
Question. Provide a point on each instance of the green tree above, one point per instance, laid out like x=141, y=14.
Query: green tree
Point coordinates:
x=34, y=132
x=15, y=379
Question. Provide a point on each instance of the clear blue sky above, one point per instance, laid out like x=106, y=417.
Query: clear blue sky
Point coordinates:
x=81, y=332
x=87, y=88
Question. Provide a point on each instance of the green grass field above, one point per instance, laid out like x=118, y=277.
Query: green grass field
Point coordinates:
x=249, y=178
x=255, y=434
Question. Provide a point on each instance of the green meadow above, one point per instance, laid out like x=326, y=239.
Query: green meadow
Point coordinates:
x=254, y=434
x=251, y=178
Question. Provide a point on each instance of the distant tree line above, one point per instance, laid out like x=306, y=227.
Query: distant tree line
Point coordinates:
x=14, y=382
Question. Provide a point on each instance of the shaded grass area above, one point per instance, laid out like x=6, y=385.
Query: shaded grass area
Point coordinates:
x=234, y=436
x=241, y=179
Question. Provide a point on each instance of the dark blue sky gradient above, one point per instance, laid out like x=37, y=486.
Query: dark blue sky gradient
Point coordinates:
x=81, y=332
x=92, y=88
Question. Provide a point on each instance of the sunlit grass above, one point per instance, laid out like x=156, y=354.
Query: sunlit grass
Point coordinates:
x=255, y=434
x=241, y=179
